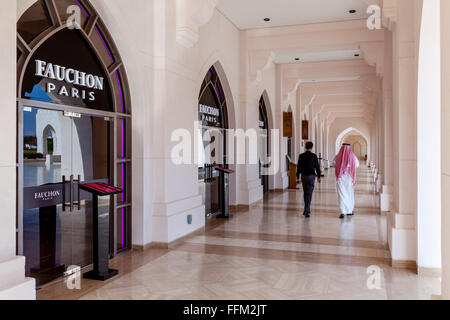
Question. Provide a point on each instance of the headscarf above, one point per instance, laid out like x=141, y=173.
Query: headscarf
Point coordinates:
x=345, y=158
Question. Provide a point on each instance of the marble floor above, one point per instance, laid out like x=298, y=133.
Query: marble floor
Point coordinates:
x=270, y=252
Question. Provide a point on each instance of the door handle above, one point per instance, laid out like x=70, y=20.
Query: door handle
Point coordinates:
x=71, y=203
x=64, y=193
x=78, y=203
x=71, y=193
x=206, y=173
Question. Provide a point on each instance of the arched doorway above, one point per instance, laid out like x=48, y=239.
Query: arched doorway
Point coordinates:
x=73, y=105
x=213, y=117
x=264, y=145
x=351, y=136
x=358, y=144
x=48, y=141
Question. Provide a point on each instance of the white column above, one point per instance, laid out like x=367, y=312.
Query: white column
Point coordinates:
x=445, y=144
x=176, y=194
x=429, y=142
x=386, y=196
x=402, y=221
x=281, y=178
x=13, y=284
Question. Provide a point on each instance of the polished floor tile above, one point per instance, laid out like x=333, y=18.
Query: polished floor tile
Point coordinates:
x=269, y=252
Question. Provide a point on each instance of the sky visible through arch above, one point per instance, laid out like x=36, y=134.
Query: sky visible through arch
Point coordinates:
x=29, y=123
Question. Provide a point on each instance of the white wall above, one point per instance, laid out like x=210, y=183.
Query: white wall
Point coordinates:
x=429, y=140
x=13, y=284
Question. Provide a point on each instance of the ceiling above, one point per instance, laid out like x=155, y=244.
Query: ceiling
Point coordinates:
x=320, y=80
x=318, y=56
x=250, y=14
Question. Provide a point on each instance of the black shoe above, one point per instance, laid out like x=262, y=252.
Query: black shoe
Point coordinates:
x=342, y=216
x=307, y=215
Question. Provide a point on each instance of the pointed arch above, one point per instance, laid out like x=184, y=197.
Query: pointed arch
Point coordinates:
x=346, y=132
x=44, y=21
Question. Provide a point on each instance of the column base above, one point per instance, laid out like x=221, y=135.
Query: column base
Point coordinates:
x=170, y=220
x=252, y=192
x=378, y=183
x=386, y=198
x=402, y=239
x=13, y=284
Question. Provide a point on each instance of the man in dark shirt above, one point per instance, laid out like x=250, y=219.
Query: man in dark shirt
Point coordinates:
x=308, y=167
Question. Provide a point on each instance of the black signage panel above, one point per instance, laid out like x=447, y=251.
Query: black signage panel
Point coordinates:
x=65, y=70
x=43, y=196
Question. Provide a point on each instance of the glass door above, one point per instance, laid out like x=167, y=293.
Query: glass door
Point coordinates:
x=60, y=150
x=211, y=155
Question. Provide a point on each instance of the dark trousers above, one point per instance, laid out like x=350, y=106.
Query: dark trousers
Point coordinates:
x=308, y=189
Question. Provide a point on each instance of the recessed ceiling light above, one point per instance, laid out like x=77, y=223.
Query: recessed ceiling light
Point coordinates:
x=266, y=19
x=352, y=11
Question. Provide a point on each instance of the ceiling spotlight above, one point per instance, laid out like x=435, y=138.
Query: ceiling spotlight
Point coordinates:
x=266, y=19
x=297, y=59
x=352, y=11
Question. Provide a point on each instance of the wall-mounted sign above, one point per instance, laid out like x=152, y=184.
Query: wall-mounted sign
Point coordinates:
x=209, y=114
x=69, y=76
x=65, y=70
x=305, y=130
x=288, y=121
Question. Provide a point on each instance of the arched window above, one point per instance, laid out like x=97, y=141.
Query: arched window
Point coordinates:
x=213, y=116
x=264, y=146
x=71, y=75
x=213, y=96
x=55, y=56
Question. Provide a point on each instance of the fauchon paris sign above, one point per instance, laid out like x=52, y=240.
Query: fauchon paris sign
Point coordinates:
x=209, y=115
x=65, y=70
x=43, y=196
x=65, y=77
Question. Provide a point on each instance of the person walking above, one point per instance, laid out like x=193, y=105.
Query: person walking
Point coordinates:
x=346, y=164
x=308, y=168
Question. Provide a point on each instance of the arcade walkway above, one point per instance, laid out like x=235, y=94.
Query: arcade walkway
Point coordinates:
x=269, y=252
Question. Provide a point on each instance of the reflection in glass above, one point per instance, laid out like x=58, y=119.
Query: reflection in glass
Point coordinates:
x=55, y=146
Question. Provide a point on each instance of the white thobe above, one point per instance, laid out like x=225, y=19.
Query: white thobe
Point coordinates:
x=346, y=192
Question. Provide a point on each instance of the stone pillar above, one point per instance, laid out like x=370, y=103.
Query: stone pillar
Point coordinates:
x=282, y=178
x=429, y=138
x=326, y=146
x=176, y=193
x=445, y=145
x=386, y=196
x=380, y=141
x=402, y=220
x=13, y=284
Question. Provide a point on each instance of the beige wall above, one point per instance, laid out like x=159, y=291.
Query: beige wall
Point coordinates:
x=13, y=284
x=445, y=122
